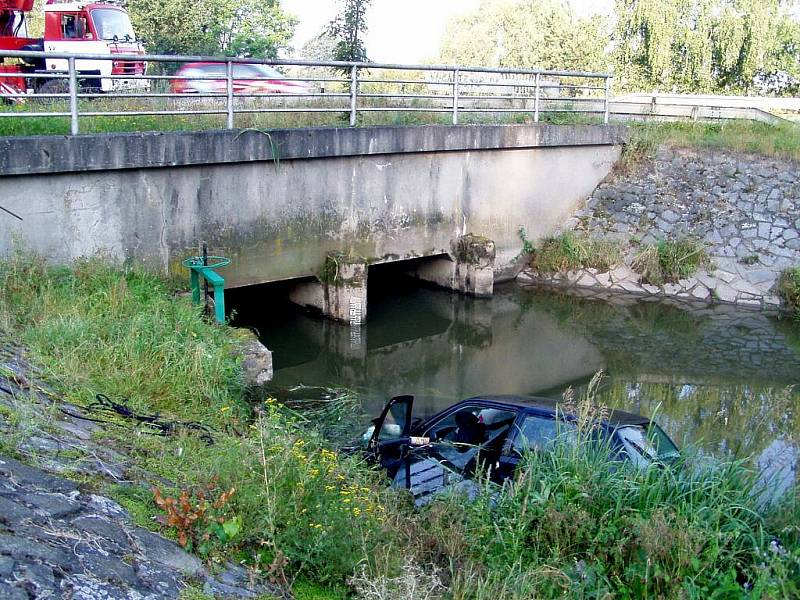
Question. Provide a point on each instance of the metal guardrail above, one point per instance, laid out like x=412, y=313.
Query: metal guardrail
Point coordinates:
x=629, y=110
x=324, y=87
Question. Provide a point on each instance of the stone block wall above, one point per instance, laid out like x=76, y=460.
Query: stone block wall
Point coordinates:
x=744, y=209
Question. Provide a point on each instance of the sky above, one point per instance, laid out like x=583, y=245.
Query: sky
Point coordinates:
x=401, y=31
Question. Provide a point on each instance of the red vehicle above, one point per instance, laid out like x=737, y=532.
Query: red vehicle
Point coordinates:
x=248, y=78
x=71, y=27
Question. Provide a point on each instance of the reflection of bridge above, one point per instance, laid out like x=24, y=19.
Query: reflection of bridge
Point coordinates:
x=443, y=348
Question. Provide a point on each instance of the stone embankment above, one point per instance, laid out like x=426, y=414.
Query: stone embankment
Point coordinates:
x=744, y=209
x=60, y=536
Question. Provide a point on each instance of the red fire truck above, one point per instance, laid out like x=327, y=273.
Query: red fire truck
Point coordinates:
x=75, y=28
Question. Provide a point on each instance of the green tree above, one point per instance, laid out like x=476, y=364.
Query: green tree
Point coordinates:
x=253, y=28
x=704, y=45
x=347, y=31
x=543, y=34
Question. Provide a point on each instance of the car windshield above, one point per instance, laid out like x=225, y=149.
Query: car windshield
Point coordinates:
x=212, y=70
x=110, y=24
x=647, y=444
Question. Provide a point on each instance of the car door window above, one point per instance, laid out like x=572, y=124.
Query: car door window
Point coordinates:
x=395, y=421
x=471, y=426
x=536, y=433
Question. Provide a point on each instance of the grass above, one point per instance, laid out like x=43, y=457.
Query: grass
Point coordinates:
x=576, y=525
x=26, y=126
x=323, y=524
x=300, y=508
x=789, y=289
x=669, y=261
x=571, y=251
x=779, y=141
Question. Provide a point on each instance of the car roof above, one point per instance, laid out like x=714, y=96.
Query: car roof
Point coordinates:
x=541, y=405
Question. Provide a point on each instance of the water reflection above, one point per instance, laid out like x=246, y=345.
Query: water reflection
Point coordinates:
x=722, y=378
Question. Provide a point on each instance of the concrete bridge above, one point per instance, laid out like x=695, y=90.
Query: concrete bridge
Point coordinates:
x=313, y=205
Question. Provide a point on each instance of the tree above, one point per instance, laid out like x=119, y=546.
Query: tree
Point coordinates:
x=257, y=28
x=251, y=28
x=347, y=31
x=542, y=34
x=705, y=45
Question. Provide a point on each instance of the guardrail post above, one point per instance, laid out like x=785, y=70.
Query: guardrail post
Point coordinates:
x=353, y=95
x=537, y=94
x=606, y=101
x=229, y=89
x=456, y=73
x=73, y=96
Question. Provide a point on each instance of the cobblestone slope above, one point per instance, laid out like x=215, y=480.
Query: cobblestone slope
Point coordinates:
x=744, y=209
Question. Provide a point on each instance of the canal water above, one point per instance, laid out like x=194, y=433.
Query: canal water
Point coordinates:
x=725, y=380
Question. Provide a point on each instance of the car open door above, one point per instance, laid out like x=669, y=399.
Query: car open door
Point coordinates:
x=392, y=430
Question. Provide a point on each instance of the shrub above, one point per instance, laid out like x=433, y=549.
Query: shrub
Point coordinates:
x=789, y=289
x=571, y=251
x=670, y=261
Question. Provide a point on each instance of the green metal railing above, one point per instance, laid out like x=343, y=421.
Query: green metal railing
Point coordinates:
x=202, y=267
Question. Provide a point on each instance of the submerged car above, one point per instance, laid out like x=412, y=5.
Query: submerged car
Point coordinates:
x=446, y=450
x=248, y=78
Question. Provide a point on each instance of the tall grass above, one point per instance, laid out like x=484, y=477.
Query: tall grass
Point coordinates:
x=780, y=141
x=669, y=261
x=301, y=509
x=579, y=525
x=577, y=522
x=96, y=329
x=572, y=251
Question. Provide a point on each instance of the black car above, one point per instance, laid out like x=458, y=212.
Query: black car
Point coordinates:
x=446, y=449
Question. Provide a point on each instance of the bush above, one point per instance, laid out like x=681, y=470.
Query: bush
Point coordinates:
x=670, y=261
x=789, y=289
x=571, y=251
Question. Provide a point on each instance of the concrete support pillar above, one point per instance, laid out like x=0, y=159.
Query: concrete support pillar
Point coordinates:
x=340, y=293
x=469, y=269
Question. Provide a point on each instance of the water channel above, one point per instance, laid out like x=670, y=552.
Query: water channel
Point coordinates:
x=723, y=379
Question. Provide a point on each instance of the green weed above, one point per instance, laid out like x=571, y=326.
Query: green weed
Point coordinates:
x=96, y=329
x=669, y=261
x=299, y=508
x=307, y=590
x=573, y=524
x=572, y=251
